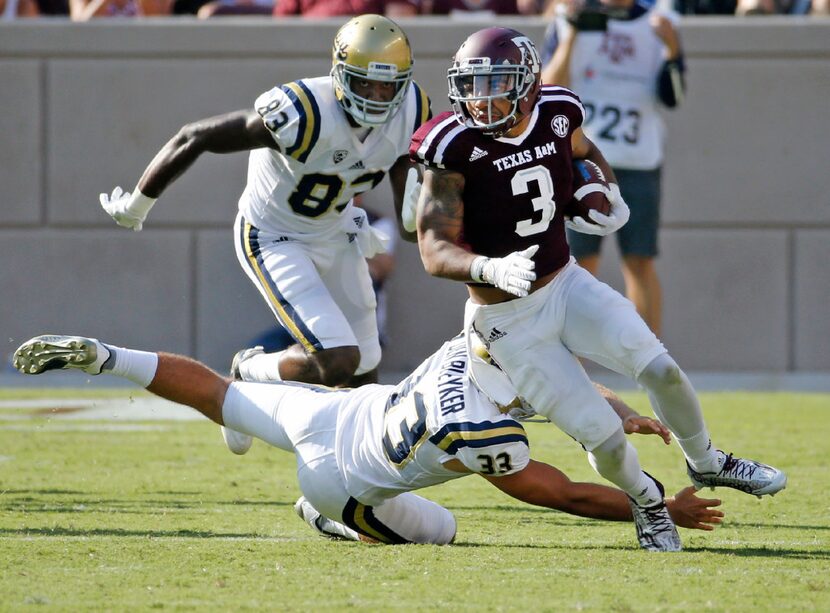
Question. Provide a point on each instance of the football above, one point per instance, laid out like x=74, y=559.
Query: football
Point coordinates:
x=590, y=189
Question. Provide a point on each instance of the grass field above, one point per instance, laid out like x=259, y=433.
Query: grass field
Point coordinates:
x=158, y=515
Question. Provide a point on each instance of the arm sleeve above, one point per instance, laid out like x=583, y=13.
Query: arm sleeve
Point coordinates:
x=671, y=84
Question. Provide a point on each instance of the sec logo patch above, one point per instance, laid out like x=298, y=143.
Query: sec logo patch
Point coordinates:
x=560, y=125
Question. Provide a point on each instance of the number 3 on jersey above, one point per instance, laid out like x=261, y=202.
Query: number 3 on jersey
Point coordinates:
x=405, y=425
x=544, y=202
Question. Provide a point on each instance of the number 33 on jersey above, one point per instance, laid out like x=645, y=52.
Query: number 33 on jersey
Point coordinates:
x=320, y=162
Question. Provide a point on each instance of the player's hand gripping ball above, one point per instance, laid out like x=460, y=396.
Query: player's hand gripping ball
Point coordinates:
x=590, y=191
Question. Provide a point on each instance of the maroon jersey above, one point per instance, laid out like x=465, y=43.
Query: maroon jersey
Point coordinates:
x=515, y=188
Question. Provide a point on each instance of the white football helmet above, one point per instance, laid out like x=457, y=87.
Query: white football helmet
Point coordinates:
x=372, y=48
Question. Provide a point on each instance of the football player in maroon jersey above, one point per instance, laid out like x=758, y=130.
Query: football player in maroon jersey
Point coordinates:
x=498, y=174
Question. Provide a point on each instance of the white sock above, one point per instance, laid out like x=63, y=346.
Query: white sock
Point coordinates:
x=699, y=452
x=262, y=367
x=617, y=460
x=675, y=403
x=137, y=366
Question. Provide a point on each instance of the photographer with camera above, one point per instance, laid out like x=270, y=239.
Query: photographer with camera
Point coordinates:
x=623, y=58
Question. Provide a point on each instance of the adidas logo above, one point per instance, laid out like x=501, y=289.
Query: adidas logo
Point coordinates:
x=495, y=333
x=357, y=165
x=477, y=154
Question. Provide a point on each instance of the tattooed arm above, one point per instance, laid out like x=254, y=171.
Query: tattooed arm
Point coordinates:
x=440, y=220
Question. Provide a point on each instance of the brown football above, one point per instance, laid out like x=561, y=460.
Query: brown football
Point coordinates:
x=589, y=187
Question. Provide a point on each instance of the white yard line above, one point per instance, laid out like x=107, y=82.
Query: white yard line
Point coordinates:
x=96, y=409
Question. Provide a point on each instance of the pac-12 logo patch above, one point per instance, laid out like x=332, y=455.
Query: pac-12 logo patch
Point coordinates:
x=339, y=155
x=560, y=125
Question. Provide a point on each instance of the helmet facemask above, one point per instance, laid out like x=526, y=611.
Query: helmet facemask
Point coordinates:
x=365, y=111
x=473, y=80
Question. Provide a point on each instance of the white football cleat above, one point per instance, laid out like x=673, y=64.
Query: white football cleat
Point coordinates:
x=237, y=442
x=308, y=514
x=54, y=351
x=240, y=356
x=741, y=474
x=655, y=528
x=322, y=525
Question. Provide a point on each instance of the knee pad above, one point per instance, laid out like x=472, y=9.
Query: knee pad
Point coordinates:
x=662, y=372
x=612, y=450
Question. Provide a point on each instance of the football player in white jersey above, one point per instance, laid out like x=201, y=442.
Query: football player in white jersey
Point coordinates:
x=624, y=59
x=361, y=453
x=315, y=144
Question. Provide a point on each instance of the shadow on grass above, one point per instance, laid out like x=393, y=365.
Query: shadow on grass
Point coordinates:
x=759, y=524
x=138, y=506
x=764, y=552
x=570, y=519
x=118, y=532
x=750, y=552
x=44, y=492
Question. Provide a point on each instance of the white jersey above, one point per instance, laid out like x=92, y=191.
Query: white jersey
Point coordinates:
x=615, y=74
x=300, y=189
x=392, y=443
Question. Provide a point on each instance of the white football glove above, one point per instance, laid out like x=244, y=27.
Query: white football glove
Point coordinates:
x=513, y=273
x=411, y=193
x=370, y=240
x=605, y=224
x=127, y=210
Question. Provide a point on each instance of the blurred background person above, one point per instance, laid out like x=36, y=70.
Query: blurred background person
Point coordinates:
x=705, y=7
x=13, y=9
x=220, y=8
x=623, y=58
x=781, y=7
x=84, y=10
x=461, y=9
x=332, y=8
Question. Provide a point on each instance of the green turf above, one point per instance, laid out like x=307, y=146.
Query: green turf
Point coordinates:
x=165, y=518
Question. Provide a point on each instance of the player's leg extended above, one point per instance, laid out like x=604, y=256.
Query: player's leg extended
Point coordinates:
x=603, y=326
x=527, y=347
x=350, y=285
x=676, y=405
x=551, y=378
x=174, y=377
x=286, y=275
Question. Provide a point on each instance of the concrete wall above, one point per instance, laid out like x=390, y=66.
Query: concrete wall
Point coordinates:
x=746, y=236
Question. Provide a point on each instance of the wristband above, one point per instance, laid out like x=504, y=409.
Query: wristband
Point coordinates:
x=477, y=268
x=139, y=204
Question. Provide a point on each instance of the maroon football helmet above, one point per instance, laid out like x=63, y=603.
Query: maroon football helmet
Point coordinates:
x=493, y=64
